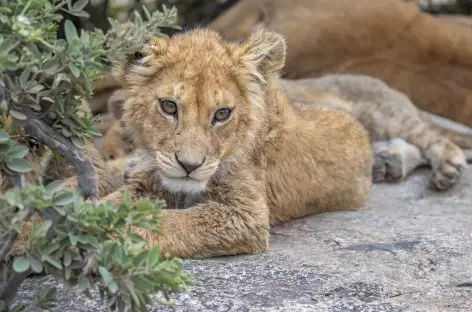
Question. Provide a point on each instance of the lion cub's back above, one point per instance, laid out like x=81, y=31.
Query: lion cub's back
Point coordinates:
x=320, y=160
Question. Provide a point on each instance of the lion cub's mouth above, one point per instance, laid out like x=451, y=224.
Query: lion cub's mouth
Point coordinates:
x=184, y=184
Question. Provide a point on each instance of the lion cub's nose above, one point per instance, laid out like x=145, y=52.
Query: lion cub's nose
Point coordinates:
x=188, y=167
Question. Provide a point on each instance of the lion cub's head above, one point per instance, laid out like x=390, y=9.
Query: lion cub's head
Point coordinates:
x=196, y=102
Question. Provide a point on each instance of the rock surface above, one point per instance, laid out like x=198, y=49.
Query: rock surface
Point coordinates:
x=409, y=249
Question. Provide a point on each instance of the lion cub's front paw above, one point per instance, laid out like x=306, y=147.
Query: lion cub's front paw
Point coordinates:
x=448, y=162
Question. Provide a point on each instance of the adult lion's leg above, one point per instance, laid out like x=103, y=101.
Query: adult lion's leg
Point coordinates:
x=397, y=117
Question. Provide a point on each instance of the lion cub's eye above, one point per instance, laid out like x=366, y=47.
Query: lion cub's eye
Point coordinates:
x=222, y=114
x=168, y=107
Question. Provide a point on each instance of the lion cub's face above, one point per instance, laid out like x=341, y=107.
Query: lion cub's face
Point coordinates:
x=196, y=102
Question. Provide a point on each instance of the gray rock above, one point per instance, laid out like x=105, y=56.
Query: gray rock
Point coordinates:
x=409, y=249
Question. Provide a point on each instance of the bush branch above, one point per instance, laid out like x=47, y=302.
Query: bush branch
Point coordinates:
x=9, y=289
x=86, y=175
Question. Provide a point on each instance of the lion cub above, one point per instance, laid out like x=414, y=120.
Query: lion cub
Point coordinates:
x=219, y=138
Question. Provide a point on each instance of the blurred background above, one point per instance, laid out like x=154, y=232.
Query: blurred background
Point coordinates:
x=191, y=12
x=202, y=12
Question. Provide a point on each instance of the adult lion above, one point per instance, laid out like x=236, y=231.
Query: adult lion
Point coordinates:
x=427, y=58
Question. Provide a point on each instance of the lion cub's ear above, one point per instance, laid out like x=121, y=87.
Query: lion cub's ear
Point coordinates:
x=140, y=66
x=261, y=56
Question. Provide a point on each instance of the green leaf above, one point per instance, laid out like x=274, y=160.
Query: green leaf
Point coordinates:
x=18, y=151
x=53, y=262
x=5, y=11
x=63, y=199
x=142, y=284
x=24, y=77
x=18, y=308
x=70, y=31
x=4, y=137
x=18, y=165
x=100, y=67
x=34, y=49
x=83, y=14
x=127, y=198
x=54, y=186
x=107, y=278
x=74, y=70
x=36, y=88
x=72, y=218
x=94, y=132
x=40, y=230
x=119, y=254
x=67, y=259
x=73, y=239
x=36, y=265
x=50, y=248
x=153, y=257
x=21, y=264
x=49, y=293
x=88, y=239
x=113, y=287
x=78, y=142
x=51, y=66
x=140, y=258
x=79, y=5
x=60, y=45
x=17, y=114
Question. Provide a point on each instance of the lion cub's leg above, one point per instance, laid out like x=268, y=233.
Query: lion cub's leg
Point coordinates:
x=231, y=218
x=394, y=160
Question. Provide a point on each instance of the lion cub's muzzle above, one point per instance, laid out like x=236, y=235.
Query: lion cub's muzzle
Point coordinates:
x=184, y=172
x=189, y=167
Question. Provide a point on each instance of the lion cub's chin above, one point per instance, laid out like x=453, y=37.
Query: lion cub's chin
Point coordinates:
x=183, y=185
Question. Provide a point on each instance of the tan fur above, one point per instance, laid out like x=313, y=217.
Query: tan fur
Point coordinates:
x=410, y=138
x=111, y=146
x=426, y=57
x=103, y=89
x=115, y=144
x=269, y=163
x=463, y=20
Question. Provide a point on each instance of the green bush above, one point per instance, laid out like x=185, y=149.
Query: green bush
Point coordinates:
x=42, y=83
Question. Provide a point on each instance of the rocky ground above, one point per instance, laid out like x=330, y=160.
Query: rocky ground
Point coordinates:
x=409, y=249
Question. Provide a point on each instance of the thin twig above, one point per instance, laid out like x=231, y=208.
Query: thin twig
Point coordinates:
x=90, y=265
